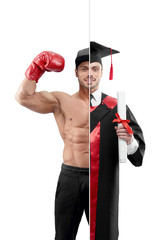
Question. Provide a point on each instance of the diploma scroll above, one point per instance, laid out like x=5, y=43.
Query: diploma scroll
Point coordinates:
x=122, y=145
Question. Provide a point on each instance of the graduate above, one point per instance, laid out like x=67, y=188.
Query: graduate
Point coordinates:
x=104, y=161
x=104, y=177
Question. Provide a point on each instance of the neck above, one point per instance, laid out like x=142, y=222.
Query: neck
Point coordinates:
x=83, y=93
x=93, y=90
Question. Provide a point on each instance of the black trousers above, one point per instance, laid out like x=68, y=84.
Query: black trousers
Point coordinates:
x=71, y=200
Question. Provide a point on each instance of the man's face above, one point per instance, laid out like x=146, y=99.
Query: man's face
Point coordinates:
x=89, y=75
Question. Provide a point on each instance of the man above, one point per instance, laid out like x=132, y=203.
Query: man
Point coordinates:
x=104, y=176
x=71, y=113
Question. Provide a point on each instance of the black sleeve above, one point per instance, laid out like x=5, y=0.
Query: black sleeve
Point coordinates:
x=137, y=158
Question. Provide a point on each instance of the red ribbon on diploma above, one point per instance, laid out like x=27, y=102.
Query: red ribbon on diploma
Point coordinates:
x=124, y=122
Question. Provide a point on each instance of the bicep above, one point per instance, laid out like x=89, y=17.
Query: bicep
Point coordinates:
x=41, y=102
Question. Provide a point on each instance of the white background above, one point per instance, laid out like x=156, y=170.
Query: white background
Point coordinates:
x=31, y=148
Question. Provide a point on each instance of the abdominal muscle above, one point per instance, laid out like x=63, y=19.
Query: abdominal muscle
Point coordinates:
x=76, y=147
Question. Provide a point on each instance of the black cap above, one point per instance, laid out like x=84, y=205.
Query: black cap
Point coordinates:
x=97, y=52
x=82, y=56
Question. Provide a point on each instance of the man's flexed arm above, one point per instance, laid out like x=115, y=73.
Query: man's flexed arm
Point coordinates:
x=42, y=102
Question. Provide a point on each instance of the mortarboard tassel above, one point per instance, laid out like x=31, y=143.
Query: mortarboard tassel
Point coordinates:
x=111, y=68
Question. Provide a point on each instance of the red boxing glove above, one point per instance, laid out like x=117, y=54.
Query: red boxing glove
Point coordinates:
x=45, y=61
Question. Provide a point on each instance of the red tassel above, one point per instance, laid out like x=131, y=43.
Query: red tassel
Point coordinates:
x=111, y=72
x=111, y=69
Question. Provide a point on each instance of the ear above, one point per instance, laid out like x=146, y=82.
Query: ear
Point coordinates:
x=76, y=72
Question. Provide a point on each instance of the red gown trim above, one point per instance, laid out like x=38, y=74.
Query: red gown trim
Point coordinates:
x=94, y=166
x=110, y=102
x=94, y=174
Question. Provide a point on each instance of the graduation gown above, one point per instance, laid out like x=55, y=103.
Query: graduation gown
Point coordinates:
x=104, y=167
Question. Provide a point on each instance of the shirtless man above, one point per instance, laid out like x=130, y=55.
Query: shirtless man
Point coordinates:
x=72, y=117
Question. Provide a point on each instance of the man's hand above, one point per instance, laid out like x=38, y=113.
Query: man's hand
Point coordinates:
x=123, y=134
x=45, y=61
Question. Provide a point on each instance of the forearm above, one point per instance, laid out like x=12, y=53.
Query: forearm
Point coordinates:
x=137, y=157
x=132, y=147
x=27, y=88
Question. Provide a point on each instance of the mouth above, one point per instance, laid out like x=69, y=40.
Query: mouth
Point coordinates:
x=90, y=80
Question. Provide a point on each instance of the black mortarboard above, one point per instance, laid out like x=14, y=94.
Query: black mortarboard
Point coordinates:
x=97, y=52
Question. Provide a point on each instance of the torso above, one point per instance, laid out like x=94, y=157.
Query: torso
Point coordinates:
x=73, y=122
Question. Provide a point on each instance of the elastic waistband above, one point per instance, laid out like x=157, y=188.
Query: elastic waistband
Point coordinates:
x=72, y=169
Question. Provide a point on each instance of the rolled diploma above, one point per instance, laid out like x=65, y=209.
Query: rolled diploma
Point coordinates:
x=122, y=145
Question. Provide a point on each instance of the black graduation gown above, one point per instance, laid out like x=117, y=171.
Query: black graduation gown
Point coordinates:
x=104, y=166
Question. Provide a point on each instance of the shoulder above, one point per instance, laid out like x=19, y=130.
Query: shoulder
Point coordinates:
x=111, y=102
x=60, y=95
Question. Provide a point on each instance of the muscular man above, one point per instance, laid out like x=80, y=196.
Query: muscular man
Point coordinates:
x=71, y=113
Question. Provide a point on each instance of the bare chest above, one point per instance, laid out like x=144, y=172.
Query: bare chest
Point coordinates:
x=77, y=115
x=74, y=118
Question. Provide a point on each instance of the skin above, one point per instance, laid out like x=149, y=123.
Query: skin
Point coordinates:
x=73, y=124
x=123, y=134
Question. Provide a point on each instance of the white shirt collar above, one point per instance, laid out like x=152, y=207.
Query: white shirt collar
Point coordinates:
x=96, y=100
x=97, y=94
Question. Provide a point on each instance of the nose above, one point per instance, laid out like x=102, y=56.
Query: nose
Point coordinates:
x=91, y=73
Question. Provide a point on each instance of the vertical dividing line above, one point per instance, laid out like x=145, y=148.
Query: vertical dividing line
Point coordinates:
x=89, y=113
